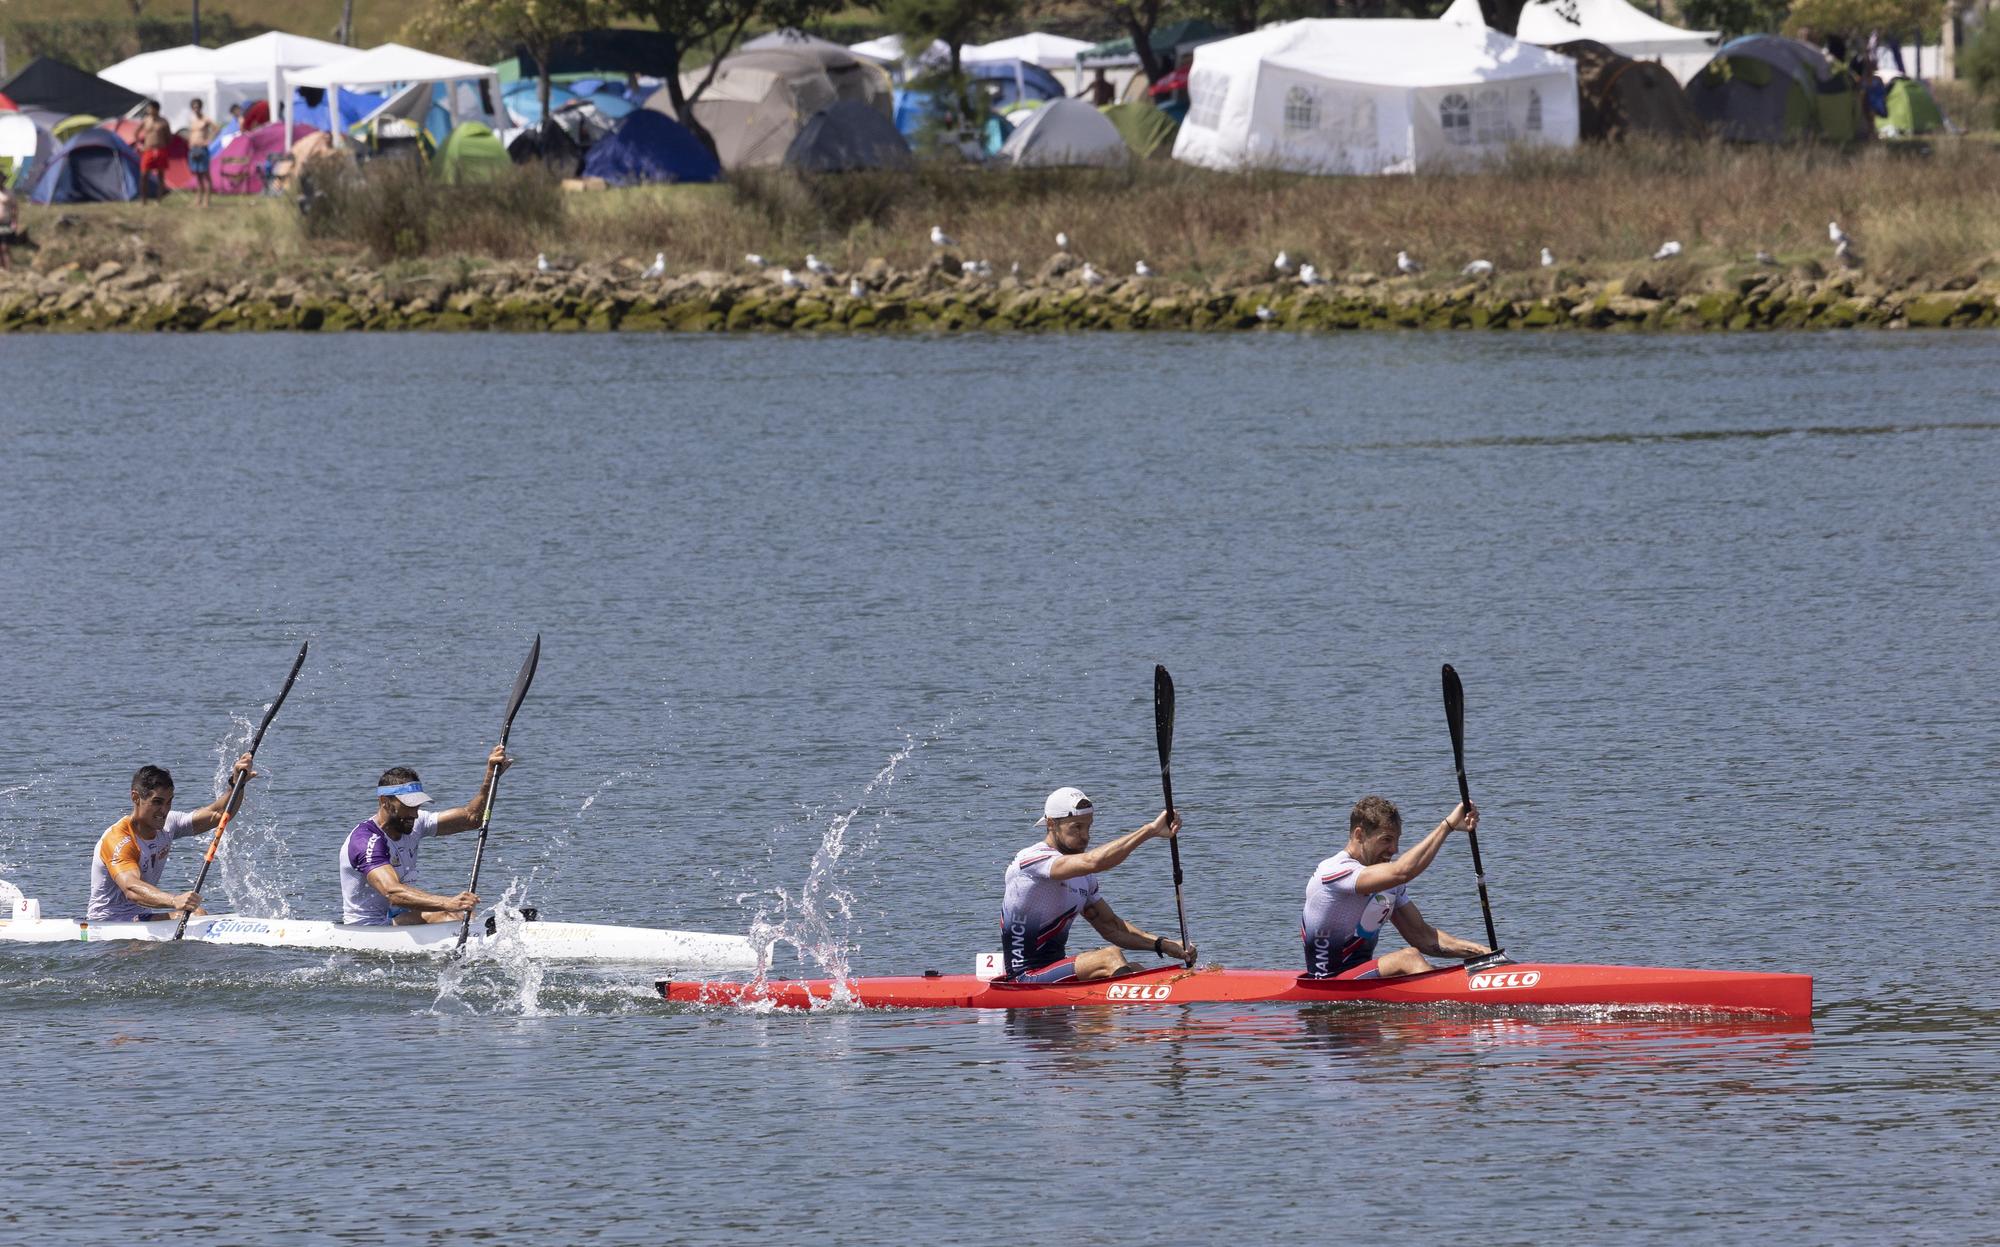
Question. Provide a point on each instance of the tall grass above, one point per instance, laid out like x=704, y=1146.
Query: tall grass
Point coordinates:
x=397, y=211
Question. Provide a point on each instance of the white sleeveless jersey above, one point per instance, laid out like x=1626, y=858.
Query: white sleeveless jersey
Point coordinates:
x=121, y=849
x=1340, y=925
x=368, y=847
x=1037, y=911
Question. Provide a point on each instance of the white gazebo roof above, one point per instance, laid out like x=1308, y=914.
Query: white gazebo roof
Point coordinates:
x=142, y=73
x=1036, y=48
x=388, y=64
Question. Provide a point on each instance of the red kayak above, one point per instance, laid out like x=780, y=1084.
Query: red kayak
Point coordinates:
x=1529, y=983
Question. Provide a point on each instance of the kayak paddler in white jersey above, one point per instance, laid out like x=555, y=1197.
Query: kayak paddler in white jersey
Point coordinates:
x=1054, y=879
x=1351, y=893
x=131, y=854
x=378, y=860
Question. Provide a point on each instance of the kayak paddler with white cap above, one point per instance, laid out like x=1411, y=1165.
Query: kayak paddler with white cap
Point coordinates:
x=378, y=860
x=1054, y=879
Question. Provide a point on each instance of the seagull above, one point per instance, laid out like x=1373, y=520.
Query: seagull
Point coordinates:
x=1836, y=234
x=1142, y=269
x=1091, y=277
x=754, y=260
x=1014, y=269
x=1548, y=258
x=1283, y=263
x=1404, y=264
x=541, y=263
x=978, y=268
x=1478, y=268
x=1846, y=254
x=1265, y=313
x=816, y=265
x=941, y=239
x=854, y=288
x=790, y=280
x=1667, y=251
x=1062, y=241
x=1765, y=257
x=658, y=268
x=1308, y=275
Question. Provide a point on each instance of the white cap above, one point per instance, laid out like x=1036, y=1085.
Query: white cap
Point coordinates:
x=1065, y=803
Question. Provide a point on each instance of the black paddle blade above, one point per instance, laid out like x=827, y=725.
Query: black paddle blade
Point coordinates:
x=1454, y=719
x=1163, y=711
x=521, y=683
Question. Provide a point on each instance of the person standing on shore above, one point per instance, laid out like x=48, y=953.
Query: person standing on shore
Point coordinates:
x=10, y=224
x=201, y=132
x=152, y=144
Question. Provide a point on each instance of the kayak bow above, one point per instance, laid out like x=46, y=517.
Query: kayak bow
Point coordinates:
x=1541, y=984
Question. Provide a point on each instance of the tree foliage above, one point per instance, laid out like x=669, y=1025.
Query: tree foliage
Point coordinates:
x=712, y=26
x=1856, y=19
x=954, y=22
x=536, y=25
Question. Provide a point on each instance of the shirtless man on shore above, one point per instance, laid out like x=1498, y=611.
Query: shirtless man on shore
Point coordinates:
x=201, y=132
x=151, y=140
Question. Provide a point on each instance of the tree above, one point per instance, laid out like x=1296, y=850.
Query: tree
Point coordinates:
x=1733, y=17
x=715, y=26
x=536, y=25
x=955, y=22
x=1857, y=19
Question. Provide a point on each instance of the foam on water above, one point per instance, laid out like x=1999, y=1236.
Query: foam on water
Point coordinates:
x=254, y=862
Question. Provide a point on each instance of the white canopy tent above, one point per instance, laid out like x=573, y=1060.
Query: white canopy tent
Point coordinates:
x=248, y=69
x=393, y=65
x=1622, y=28
x=1368, y=96
x=1052, y=52
x=149, y=72
x=888, y=52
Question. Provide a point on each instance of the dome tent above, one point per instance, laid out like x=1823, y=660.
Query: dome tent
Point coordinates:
x=1618, y=96
x=1767, y=89
x=550, y=144
x=94, y=167
x=1066, y=132
x=759, y=99
x=24, y=147
x=1370, y=96
x=1145, y=129
x=650, y=147
x=470, y=153
x=848, y=136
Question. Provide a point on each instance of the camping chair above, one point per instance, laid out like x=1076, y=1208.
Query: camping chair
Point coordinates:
x=232, y=174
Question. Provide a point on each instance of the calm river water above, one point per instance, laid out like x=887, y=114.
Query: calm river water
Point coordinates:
x=823, y=620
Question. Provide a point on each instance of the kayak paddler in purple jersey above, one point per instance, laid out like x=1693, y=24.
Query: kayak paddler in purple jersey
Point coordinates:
x=1351, y=892
x=378, y=860
x=1054, y=879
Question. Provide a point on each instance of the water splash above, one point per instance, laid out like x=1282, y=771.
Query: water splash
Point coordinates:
x=254, y=860
x=818, y=923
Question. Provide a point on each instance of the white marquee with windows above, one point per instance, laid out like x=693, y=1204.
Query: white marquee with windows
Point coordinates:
x=1372, y=96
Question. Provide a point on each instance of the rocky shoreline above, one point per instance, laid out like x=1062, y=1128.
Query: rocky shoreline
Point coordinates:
x=945, y=298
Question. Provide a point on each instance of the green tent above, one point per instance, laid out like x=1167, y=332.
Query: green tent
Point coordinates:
x=1145, y=129
x=1911, y=110
x=471, y=153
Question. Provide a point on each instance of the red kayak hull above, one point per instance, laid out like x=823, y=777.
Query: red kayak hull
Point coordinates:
x=1703, y=991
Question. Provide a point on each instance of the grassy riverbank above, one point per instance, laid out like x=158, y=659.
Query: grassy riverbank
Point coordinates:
x=1926, y=221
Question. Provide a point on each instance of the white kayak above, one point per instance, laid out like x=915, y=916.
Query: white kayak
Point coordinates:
x=553, y=941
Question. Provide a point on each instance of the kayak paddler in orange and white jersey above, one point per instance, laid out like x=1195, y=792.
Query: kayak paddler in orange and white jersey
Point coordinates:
x=1350, y=894
x=1054, y=879
x=131, y=854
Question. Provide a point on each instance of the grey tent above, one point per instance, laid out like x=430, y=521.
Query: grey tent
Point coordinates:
x=760, y=100
x=848, y=135
x=1066, y=132
x=1767, y=89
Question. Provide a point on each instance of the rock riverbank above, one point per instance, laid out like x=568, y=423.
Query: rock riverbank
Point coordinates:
x=945, y=298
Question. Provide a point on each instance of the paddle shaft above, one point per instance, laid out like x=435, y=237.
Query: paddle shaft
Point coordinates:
x=1454, y=714
x=237, y=785
x=1163, y=726
x=521, y=682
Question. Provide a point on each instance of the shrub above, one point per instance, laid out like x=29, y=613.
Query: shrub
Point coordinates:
x=396, y=210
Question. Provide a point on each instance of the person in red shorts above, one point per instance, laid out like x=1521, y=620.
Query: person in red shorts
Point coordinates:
x=152, y=142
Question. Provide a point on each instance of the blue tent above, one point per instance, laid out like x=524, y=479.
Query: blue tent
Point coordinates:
x=916, y=110
x=526, y=103
x=353, y=106
x=611, y=106
x=1007, y=83
x=94, y=167
x=650, y=147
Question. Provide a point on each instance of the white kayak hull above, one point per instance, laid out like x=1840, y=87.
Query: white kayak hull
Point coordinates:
x=551, y=941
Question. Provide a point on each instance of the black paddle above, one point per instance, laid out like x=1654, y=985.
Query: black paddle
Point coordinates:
x=1163, y=725
x=521, y=683
x=1454, y=718
x=239, y=783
